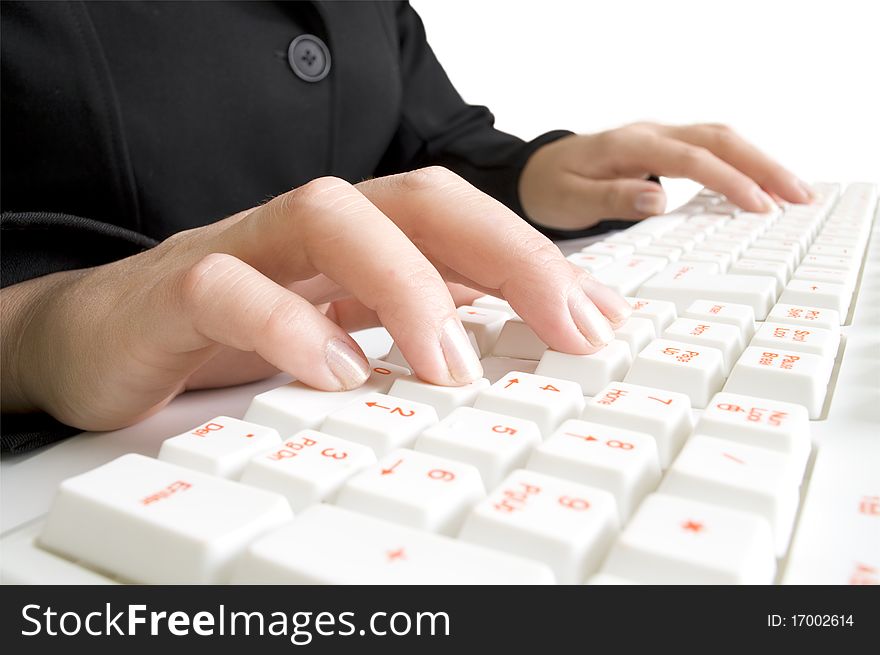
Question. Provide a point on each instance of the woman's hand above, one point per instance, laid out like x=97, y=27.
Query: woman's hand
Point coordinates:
x=279, y=286
x=578, y=180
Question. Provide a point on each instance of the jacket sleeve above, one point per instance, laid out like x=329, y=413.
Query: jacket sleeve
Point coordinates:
x=437, y=127
x=40, y=243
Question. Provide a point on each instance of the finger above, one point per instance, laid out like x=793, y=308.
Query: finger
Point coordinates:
x=329, y=227
x=732, y=148
x=489, y=247
x=625, y=198
x=674, y=158
x=225, y=301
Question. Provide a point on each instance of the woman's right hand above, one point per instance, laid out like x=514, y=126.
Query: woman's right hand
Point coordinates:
x=237, y=300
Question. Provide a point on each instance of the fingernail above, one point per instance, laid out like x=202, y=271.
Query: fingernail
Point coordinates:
x=761, y=198
x=610, y=303
x=589, y=320
x=461, y=360
x=650, y=202
x=807, y=189
x=348, y=366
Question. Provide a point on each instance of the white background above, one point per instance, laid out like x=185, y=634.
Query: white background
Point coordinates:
x=799, y=79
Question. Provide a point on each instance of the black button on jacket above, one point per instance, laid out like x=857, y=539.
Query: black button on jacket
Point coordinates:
x=123, y=123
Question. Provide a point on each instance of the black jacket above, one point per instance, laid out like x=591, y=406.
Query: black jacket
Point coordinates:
x=123, y=123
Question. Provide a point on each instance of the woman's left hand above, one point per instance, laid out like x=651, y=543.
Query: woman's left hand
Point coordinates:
x=577, y=181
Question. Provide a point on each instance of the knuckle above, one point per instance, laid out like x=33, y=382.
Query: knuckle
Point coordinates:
x=430, y=177
x=692, y=157
x=722, y=135
x=280, y=322
x=200, y=278
x=315, y=193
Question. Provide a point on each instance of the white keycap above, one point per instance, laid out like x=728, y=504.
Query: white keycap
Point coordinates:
x=724, y=243
x=25, y=563
x=568, y=526
x=797, y=337
x=660, y=312
x=636, y=333
x=685, y=245
x=777, y=270
x=853, y=241
x=615, y=250
x=484, y=324
x=790, y=258
x=725, y=338
x=494, y=443
x=668, y=252
x=635, y=238
x=119, y=516
x=381, y=422
x=665, y=415
x=684, y=283
x=835, y=251
x=834, y=275
x=720, y=260
x=838, y=536
x=740, y=316
x=626, y=275
x=420, y=490
x=680, y=541
x=442, y=399
x=518, y=340
x=624, y=462
x=772, y=424
x=782, y=375
x=786, y=245
x=694, y=234
x=824, y=261
x=308, y=468
x=491, y=302
x=495, y=368
x=696, y=371
x=331, y=545
x=820, y=317
x=296, y=407
x=592, y=372
x=747, y=478
x=221, y=447
x=591, y=261
x=818, y=294
x=546, y=401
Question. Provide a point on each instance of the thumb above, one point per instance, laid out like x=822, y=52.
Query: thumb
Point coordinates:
x=622, y=198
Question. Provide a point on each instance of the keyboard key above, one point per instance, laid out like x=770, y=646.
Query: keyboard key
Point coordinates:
x=747, y=478
x=308, y=468
x=635, y=238
x=220, y=447
x=443, y=399
x=591, y=261
x=484, y=324
x=636, y=333
x=794, y=377
x=491, y=302
x=518, y=340
x=330, y=545
x=660, y=312
x=296, y=407
x=797, y=337
x=838, y=536
x=495, y=368
x=685, y=245
x=623, y=462
x=615, y=250
x=773, y=424
x=667, y=252
x=494, y=443
x=681, y=541
x=686, y=282
x=823, y=261
x=820, y=317
x=592, y=372
x=698, y=255
x=835, y=251
x=786, y=245
x=626, y=275
x=666, y=415
x=566, y=525
x=789, y=258
x=728, y=245
x=420, y=490
x=742, y=317
x=725, y=338
x=118, y=516
x=818, y=274
x=546, y=401
x=382, y=422
x=696, y=371
x=777, y=270
x=818, y=294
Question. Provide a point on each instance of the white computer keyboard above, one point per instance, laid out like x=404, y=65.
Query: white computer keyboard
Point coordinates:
x=729, y=435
